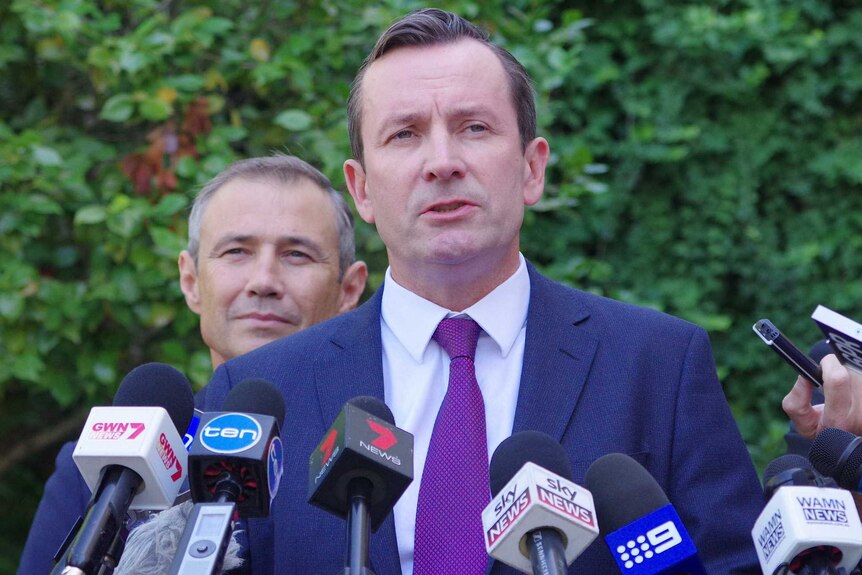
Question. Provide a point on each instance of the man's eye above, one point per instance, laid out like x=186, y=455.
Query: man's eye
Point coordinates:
x=476, y=128
x=297, y=254
x=403, y=135
x=234, y=252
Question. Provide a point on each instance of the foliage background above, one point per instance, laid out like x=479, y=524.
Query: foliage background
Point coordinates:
x=707, y=161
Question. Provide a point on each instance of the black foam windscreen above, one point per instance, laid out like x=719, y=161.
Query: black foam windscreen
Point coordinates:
x=838, y=454
x=785, y=463
x=623, y=491
x=158, y=385
x=373, y=406
x=820, y=350
x=258, y=396
x=790, y=469
x=527, y=446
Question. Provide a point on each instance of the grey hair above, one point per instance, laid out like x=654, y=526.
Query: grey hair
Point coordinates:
x=431, y=27
x=282, y=169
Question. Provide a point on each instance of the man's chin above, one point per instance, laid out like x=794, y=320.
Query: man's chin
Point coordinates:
x=260, y=337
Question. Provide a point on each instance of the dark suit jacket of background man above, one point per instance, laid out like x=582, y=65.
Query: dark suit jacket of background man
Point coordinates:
x=600, y=376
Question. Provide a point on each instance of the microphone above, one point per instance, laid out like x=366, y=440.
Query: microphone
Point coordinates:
x=806, y=526
x=838, y=454
x=236, y=465
x=131, y=456
x=237, y=455
x=640, y=526
x=358, y=471
x=152, y=547
x=538, y=520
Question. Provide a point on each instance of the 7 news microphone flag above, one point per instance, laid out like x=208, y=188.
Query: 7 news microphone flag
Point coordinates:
x=359, y=470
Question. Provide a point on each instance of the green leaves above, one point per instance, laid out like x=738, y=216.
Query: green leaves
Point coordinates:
x=293, y=120
x=705, y=160
x=118, y=108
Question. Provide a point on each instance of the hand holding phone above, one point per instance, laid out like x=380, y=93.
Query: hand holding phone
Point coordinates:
x=803, y=364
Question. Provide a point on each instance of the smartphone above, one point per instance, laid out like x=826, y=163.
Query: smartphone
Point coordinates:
x=803, y=364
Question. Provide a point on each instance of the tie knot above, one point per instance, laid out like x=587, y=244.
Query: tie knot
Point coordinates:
x=458, y=336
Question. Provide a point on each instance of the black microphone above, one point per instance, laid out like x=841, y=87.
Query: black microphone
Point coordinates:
x=235, y=467
x=132, y=456
x=358, y=471
x=640, y=526
x=237, y=453
x=807, y=526
x=538, y=520
x=838, y=454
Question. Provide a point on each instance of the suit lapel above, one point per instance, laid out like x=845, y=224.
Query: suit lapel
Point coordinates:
x=557, y=357
x=558, y=354
x=349, y=365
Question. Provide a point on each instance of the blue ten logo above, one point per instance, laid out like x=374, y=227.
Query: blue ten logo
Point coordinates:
x=230, y=433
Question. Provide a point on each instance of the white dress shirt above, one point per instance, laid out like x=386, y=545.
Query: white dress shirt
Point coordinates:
x=416, y=373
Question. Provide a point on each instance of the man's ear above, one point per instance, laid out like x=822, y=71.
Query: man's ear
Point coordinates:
x=537, y=153
x=352, y=286
x=189, y=281
x=354, y=175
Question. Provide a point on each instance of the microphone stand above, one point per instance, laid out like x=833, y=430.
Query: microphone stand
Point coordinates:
x=356, y=560
x=547, y=553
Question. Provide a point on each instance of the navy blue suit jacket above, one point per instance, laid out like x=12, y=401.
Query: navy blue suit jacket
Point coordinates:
x=600, y=376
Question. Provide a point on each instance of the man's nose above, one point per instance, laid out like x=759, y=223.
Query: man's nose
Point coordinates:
x=266, y=280
x=444, y=159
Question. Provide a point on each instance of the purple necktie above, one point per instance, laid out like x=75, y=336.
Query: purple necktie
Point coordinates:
x=455, y=486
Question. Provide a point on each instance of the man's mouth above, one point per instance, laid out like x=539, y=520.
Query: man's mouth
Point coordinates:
x=265, y=317
x=448, y=207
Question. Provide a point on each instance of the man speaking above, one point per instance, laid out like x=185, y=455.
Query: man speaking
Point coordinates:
x=442, y=125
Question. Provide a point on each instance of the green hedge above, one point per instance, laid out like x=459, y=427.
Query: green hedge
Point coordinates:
x=707, y=161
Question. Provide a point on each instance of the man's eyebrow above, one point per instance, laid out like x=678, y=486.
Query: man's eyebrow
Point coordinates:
x=399, y=119
x=230, y=239
x=286, y=240
x=410, y=118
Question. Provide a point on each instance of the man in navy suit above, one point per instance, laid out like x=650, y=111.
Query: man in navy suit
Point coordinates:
x=445, y=159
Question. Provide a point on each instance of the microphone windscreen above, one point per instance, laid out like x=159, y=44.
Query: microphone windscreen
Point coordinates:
x=829, y=457
x=785, y=463
x=158, y=385
x=623, y=491
x=820, y=350
x=519, y=448
x=152, y=546
x=256, y=396
x=373, y=406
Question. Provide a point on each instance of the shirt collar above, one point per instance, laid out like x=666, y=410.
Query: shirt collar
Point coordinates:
x=501, y=314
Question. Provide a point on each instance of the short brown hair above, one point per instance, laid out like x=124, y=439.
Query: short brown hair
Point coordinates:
x=429, y=27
